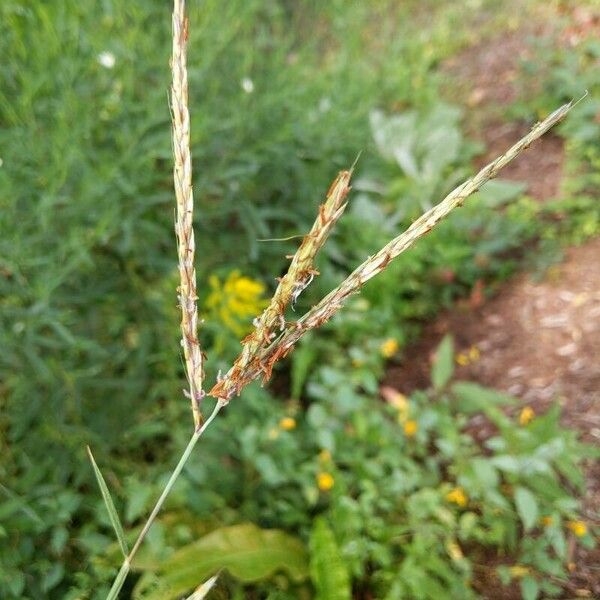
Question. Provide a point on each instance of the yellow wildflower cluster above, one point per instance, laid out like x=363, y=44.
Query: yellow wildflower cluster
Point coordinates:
x=579, y=528
x=410, y=428
x=457, y=496
x=468, y=356
x=400, y=403
x=519, y=571
x=454, y=551
x=389, y=347
x=325, y=481
x=287, y=423
x=526, y=415
x=235, y=300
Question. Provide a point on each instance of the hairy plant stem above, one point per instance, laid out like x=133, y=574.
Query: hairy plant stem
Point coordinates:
x=126, y=566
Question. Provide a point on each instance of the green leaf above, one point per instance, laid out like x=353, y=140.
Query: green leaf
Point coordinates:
x=529, y=588
x=527, y=507
x=246, y=551
x=470, y=398
x=443, y=366
x=500, y=191
x=327, y=569
x=302, y=360
x=485, y=473
x=557, y=539
x=112, y=511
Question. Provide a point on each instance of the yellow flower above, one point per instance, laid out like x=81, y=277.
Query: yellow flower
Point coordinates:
x=462, y=359
x=399, y=401
x=469, y=356
x=458, y=497
x=410, y=428
x=235, y=300
x=287, y=423
x=518, y=571
x=389, y=348
x=454, y=551
x=324, y=456
x=547, y=521
x=325, y=481
x=526, y=415
x=579, y=528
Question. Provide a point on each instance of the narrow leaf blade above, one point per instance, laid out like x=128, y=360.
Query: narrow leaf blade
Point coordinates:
x=110, y=506
x=202, y=590
x=113, y=594
x=443, y=367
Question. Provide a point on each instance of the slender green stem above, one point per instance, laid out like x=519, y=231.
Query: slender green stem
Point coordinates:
x=126, y=566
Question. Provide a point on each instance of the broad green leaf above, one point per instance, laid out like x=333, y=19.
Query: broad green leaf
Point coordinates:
x=557, y=539
x=110, y=506
x=327, y=569
x=302, y=360
x=527, y=507
x=529, y=588
x=471, y=398
x=500, y=191
x=246, y=551
x=485, y=473
x=443, y=367
x=506, y=463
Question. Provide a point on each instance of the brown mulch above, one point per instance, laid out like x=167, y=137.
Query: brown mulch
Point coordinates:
x=486, y=76
x=538, y=340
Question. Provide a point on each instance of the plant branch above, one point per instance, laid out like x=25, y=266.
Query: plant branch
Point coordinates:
x=235, y=381
x=126, y=566
x=298, y=277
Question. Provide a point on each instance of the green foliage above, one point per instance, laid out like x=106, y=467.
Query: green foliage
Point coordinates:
x=443, y=367
x=110, y=506
x=247, y=552
x=427, y=147
x=527, y=507
x=410, y=510
x=88, y=316
x=328, y=570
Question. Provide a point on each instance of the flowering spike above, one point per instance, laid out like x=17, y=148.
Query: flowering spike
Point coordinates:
x=184, y=230
x=251, y=362
x=298, y=277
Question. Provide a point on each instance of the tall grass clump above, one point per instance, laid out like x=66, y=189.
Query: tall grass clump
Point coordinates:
x=274, y=335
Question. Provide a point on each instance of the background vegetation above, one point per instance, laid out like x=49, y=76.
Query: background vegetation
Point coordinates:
x=380, y=499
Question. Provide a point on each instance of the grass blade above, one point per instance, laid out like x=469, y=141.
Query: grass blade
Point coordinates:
x=110, y=506
x=202, y=590
x=113, y=594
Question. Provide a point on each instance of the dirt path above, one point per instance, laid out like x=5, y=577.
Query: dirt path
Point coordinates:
x=537, y=340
